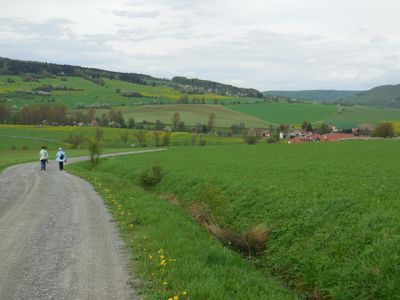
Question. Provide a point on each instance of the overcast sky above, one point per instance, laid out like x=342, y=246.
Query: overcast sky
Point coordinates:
x=265, y=44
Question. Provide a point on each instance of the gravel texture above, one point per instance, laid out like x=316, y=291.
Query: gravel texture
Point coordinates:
x=57, y=240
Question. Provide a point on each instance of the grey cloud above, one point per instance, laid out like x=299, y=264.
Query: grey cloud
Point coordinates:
x=136, y=14
x=53, y=28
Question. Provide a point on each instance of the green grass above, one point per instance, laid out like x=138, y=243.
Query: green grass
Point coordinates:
x=286, y=113
x=191, y=114
x=22, y=143
x=355, y=115
x=198, y=267
x=296, y=113
x=89, y=92
x=332, y=209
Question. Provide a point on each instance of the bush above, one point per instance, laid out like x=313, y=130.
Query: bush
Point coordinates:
x=94, y=148
x=75, y=140
x=272, y=140
x=385, y=130
x=166, y=139
x=202, y=142
x=150, y=178
x=251, y=139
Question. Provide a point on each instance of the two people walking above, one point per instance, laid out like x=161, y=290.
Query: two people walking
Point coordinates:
x=61, y=158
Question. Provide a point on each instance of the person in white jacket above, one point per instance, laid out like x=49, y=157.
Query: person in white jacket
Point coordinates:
x=61, y=158
x=44, y=158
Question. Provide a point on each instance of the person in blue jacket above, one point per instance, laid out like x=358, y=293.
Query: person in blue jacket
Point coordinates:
x=61, y=158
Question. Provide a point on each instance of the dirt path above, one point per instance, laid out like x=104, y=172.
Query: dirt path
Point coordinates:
x=56, y=238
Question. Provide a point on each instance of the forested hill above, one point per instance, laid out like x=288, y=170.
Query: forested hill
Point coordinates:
x=385, y=96
x=40, y=69
x=198, y=86
x=323, y=95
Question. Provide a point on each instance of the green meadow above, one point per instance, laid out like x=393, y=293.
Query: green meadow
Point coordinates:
x=352, y=116
x=22, y=143
x=296, y=113
x=332, y=210
x=86, y=92
x=191, y=114
x=286, y=113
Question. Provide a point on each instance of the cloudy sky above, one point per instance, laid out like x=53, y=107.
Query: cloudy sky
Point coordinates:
x=265, y=44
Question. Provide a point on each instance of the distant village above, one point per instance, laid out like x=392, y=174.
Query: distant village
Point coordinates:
x=330, y=134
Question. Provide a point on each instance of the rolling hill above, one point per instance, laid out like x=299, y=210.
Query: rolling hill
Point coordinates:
x=383, y=96
x=323, y=95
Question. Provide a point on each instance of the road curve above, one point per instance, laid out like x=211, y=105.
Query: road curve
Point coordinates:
x=56, y=238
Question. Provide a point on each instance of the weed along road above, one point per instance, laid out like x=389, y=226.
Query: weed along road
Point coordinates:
x=56, y=238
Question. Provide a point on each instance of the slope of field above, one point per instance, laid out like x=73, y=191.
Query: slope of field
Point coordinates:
x=352, y=116
x=385, y=96
x=191, y=114
x=332, y=209
x=313, y=94
x=286, y=113
x=86, y=92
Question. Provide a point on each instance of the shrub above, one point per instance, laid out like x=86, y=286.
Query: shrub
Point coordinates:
x=202, y=142
x=385, y=130
x=166, y=139
x=75, y=140
x=251, y=139
x=94, y=148
x=150, y=178
x=272, y=140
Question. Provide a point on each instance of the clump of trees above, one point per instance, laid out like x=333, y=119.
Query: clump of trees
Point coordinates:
x=385, y=130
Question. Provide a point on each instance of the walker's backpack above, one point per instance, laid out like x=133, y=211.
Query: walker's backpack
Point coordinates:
x=61, y=156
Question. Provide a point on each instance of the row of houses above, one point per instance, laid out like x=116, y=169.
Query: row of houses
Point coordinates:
x=298, y=136
x=316, y=137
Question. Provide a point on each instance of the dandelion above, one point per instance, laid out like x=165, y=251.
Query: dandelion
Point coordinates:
x=184, y=293
x=176, y=297
x=165, y=283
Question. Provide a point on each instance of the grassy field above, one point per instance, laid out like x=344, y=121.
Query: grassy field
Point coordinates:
x=191, y=114
x=296, y=113
x=22, y=143
x=86, y=92
x=355, y=115
x=332, y=210
x=286, y=113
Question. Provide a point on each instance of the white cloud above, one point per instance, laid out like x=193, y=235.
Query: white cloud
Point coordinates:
x=266, y=44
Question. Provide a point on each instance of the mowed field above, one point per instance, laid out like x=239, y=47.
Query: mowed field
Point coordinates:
x=332, y=210
x=191, y=114
x=296, y=113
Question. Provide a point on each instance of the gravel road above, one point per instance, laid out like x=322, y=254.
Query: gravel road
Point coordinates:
x=57, y=240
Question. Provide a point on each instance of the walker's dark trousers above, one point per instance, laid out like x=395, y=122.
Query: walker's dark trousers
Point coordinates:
x=43, y=164
x=61, y=164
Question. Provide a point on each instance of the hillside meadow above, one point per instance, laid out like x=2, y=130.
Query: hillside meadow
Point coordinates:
x=85, y=92
x=296, y=113
x=20, y=143
x=332, y=210
x=191, y=114
x=286, y=113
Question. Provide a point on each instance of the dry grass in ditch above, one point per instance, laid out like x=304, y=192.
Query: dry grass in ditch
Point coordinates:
x=170, y=199
x=250, y=242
